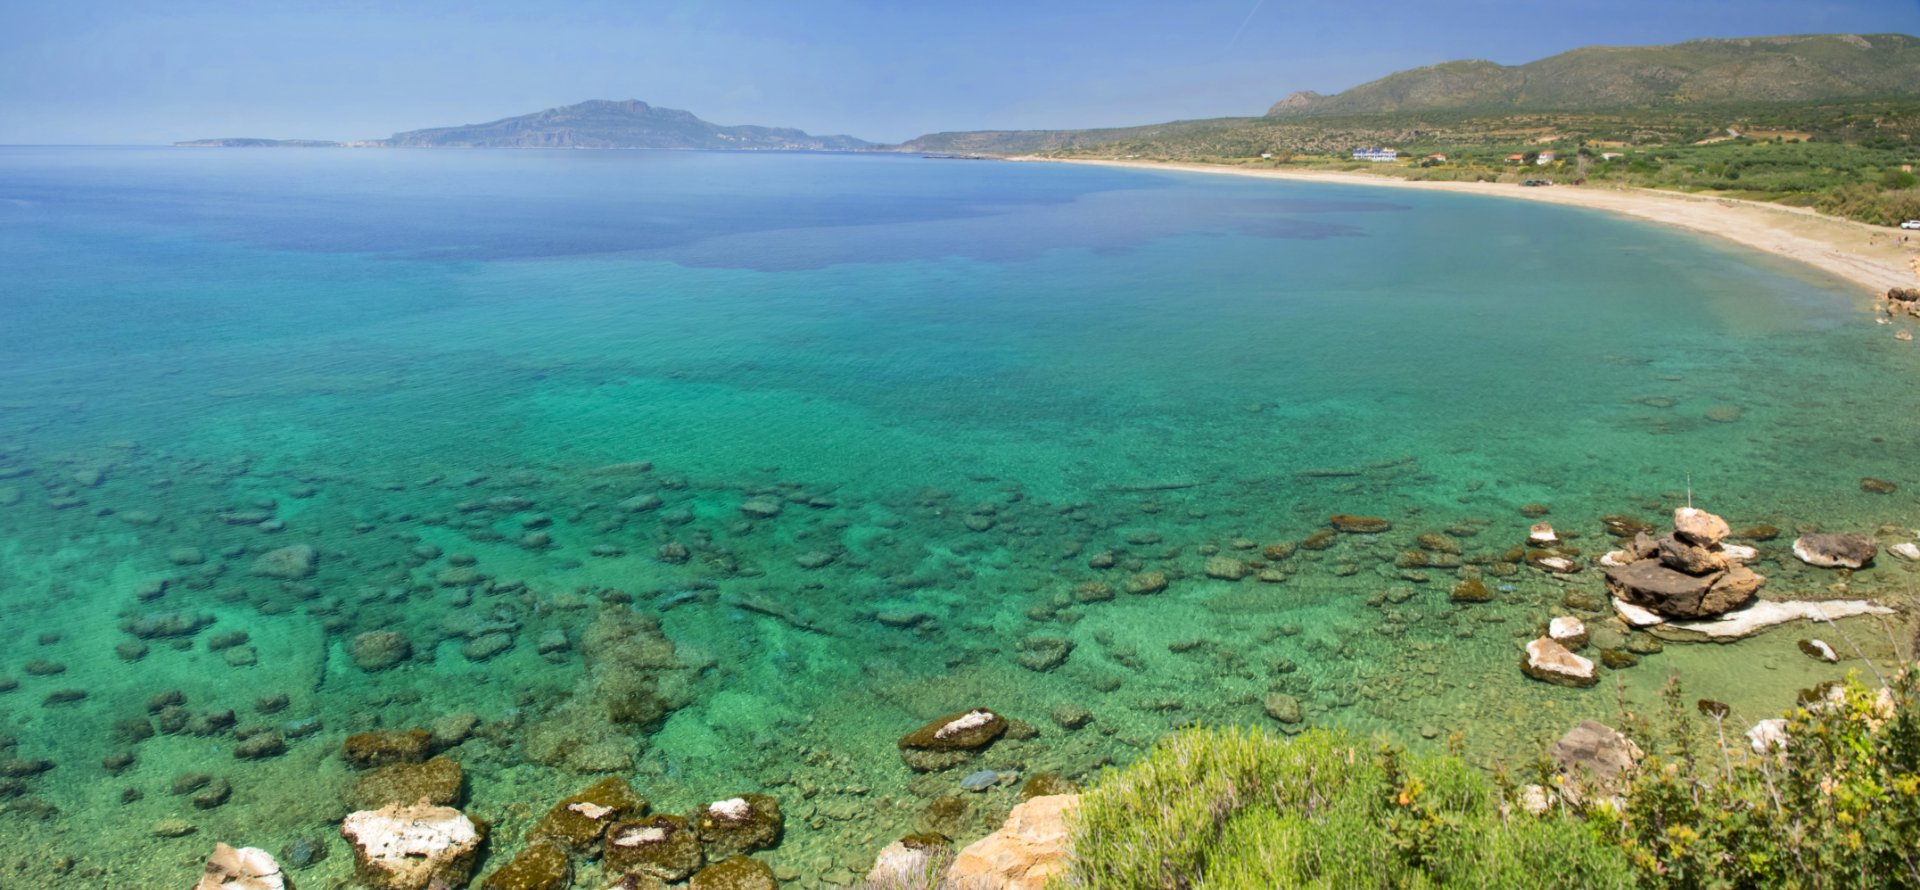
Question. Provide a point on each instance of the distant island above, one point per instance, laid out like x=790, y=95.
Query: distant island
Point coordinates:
x=597, y=123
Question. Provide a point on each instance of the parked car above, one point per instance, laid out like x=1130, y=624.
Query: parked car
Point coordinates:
x=1911, y=224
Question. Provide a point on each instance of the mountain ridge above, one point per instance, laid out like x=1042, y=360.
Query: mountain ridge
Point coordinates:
x=1723, y=70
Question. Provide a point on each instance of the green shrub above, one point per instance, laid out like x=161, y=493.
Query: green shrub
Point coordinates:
x=1213, y=809
x=1838, y=808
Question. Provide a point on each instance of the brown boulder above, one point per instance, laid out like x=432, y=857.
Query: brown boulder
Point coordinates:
x=1549, y=662
x=1594, y=756
x=1699, y=526
x=1650, y=585
x=579, y=822
x=1027, y=851
x=1843, y=551
x=951, y=739
x=1693, y=559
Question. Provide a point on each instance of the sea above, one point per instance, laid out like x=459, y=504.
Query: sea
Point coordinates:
x=722, y=472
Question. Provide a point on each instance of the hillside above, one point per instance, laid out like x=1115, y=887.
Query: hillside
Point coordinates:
x=1808, y=68
x=601, y=123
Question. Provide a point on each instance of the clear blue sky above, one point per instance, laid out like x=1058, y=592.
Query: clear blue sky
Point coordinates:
x=120, y=71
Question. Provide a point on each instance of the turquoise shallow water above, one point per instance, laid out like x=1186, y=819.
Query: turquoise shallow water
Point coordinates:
x=959, y=383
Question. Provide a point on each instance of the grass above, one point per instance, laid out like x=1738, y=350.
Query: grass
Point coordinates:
x=1212, y=809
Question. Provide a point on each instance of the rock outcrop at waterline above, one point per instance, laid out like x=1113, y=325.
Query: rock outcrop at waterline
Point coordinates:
x=1688, y=574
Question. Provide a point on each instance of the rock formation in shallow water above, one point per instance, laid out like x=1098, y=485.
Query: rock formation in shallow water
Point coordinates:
x=1688, y=574
x=634, y=679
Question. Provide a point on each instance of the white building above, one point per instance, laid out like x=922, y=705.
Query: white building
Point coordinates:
x=1376, y=155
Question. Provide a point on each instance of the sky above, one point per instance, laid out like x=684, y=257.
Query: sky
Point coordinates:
x=133, y=72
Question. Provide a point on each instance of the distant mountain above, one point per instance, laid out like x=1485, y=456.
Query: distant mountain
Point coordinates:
x=607, y=124
x=248, y=142
x=1803, y=68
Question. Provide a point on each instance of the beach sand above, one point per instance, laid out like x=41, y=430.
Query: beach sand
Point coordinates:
x=1873, y=257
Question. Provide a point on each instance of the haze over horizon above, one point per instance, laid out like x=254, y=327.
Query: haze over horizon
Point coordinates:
x=121, y=72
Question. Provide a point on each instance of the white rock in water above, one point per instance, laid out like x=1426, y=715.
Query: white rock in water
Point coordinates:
x=1615, y=558
x=1768, y=734
x=1906, y=550
x=1542, y=534
x=733, y=809
x=1635, y=615
x=1568, y=631
x=246, y=868
x=1550, y=662
x=411, y=847
x=969, y=720
x=1739, y=552
x=1819, y=649
x=1763, y=615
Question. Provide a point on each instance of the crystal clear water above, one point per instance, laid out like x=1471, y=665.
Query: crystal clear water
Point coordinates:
x=959, y=383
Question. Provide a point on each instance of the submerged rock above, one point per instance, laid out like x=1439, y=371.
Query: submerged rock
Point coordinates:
x=437, y=781
x=541, y=866
x=1283, y=708
x=385, y=746
x=581, y=821
x=380, y=650
x=287, y=563
x=737, y=825
x=662, y=846
x=737, y=873
x=412, y=848
x=1359, y=525
x=951, y=740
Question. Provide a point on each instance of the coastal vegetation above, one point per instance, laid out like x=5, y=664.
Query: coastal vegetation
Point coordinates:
x=1827, y=796
x=1825, y=121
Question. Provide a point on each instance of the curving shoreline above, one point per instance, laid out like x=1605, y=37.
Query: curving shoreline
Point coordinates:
x=1870, y=256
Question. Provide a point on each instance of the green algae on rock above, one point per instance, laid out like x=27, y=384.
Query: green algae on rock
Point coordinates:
x=386, y=746
x=738, y=825
x=437, y=781
x=951, y=740
x=579, y=822
x=662, y=845
x=541, y=866
x=737, y=873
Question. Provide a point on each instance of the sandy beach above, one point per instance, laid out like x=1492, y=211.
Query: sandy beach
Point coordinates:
x=1873, y=257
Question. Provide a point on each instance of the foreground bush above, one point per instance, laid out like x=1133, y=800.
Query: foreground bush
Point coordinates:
x=1239, y=808
x=1838, y=807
